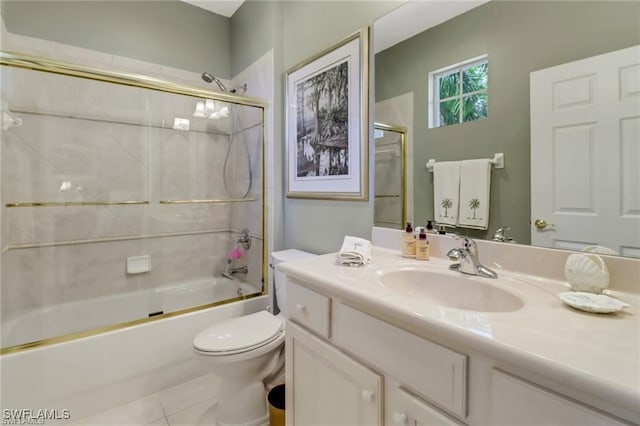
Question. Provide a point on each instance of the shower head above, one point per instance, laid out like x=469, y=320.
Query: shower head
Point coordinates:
x=207, y=77
x=210, y=78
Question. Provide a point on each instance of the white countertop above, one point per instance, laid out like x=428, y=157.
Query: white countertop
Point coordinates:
x=599, y=354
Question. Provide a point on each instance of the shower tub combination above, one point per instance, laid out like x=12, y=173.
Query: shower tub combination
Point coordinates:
x=92, y=374
x=104, y=312
x=193, y=180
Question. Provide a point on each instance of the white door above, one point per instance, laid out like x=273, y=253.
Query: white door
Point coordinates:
x=326, y=387
x=585, y=153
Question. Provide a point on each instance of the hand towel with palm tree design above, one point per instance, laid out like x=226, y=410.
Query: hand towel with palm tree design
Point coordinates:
x=446, y=191
x=475, y=187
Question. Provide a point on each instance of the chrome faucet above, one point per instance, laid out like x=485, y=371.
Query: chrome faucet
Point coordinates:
x=501, y=235
x=229, y=271
x=244, y=241
x=469, y=262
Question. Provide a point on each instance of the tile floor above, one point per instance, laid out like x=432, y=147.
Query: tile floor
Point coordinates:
x=190, y=404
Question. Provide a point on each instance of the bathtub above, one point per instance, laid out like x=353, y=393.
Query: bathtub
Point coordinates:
x=74, y=317
x=94, y=373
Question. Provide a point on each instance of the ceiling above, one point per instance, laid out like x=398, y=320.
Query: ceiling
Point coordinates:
x=414, y=17
x=221, y=7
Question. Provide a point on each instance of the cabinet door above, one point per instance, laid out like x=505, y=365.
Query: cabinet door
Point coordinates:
x=515, y=402
x=404, y=409
x=327, y=388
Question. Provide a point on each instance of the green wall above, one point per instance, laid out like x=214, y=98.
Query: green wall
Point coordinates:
x=310, y=27
x=519, y=37
x=254, y=31
x=166, y=32
x=297, y=30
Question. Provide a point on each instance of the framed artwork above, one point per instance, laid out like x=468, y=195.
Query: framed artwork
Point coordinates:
x=327, y=130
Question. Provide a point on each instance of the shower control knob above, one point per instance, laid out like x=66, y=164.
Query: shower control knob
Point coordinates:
x=367, y=395
x=300, y=308
x=400, y=419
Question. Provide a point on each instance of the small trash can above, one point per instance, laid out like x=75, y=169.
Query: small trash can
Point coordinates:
x=276, y=398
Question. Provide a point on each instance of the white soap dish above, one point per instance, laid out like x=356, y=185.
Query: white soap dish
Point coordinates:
x=589, y=302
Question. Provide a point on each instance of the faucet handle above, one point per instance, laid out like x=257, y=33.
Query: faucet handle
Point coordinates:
x=470, y=247
x=501, y=234
x=468, y=243
x=454, y=254
x=244, y=239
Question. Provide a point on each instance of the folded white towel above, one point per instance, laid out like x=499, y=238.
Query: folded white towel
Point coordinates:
x=446, y=191
x=475, y=184
x=355, y=251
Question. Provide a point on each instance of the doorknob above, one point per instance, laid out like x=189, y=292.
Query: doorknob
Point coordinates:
x=541, y=224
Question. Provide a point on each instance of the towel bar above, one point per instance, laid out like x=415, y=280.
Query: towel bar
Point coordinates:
x=497, y=161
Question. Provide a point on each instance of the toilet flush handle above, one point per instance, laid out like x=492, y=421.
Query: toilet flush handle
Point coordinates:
x=300, y=308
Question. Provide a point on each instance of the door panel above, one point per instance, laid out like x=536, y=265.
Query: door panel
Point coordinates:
x=585, y=152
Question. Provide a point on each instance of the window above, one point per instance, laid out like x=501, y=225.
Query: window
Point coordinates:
x=458, y=93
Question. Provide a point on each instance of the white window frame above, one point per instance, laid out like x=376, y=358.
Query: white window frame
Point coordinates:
x=434, y=90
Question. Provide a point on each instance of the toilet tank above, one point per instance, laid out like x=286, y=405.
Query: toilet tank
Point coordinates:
x=279, y=286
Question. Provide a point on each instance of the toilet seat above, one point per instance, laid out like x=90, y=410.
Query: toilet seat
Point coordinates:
x=238, y=335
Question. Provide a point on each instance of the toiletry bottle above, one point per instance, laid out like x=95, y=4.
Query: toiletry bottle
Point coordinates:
x=430, y=229
x=422, y=247
x=408, y=242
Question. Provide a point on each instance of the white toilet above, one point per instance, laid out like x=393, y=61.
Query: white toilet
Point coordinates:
x=243, y=351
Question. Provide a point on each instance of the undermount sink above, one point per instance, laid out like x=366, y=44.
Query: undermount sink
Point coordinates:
x=453, y=290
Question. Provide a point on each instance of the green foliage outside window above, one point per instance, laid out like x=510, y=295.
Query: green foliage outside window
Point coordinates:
x=462, y=94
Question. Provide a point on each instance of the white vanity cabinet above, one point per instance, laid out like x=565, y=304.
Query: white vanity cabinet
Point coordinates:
x=347, y=367
x=327, y=386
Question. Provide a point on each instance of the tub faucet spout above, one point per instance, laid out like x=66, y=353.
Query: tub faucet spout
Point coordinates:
x=229, y=271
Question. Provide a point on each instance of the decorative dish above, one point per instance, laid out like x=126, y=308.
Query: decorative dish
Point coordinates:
x=589, y=302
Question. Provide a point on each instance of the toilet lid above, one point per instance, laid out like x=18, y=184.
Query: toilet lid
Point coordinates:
x=239, y=333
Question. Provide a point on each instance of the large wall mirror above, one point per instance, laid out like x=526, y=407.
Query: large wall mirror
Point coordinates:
x=518, y=38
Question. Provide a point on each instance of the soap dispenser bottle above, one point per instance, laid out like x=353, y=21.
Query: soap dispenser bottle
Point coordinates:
x=408, y=242
x=430, y=228
x=422, y=247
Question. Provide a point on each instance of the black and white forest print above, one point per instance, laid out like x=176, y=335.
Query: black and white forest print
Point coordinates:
x=322, y=123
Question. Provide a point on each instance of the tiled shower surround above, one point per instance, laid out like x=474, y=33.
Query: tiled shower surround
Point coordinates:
x=83, y=140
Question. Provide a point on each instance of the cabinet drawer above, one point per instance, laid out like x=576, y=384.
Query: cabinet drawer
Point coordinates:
x=433, y=371
x=308, y=308
x=404, y=409
x=515, y=401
